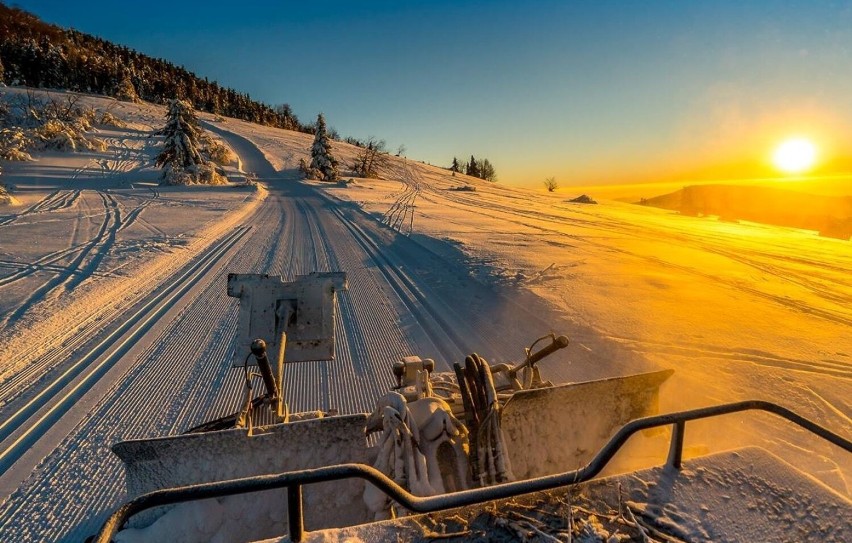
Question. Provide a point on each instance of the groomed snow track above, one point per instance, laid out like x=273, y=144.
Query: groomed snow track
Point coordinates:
x=164, y=367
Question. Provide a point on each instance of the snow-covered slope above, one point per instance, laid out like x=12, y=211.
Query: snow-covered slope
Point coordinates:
x=98, y=347
x=739, y=310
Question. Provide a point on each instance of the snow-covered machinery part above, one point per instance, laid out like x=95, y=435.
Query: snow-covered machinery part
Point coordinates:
x=486, y=424
x=278, y=317
x=476, y=426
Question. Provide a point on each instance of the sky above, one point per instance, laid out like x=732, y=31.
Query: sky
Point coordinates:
x=588, y=92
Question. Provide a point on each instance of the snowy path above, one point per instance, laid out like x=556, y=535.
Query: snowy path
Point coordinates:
x=115, y=322
x=166, y=367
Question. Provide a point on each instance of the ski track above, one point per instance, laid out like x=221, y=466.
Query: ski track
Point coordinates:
x=55, y=201
x=400, y=215
x=403, y=299
x=183, y=376
x=46, y=397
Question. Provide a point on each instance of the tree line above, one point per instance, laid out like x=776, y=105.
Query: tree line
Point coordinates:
x=38, y=54
x=481, y=168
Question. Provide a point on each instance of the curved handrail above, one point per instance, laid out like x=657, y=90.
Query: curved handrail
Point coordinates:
x=295, y=479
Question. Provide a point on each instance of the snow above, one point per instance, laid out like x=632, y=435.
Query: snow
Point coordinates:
x=116, y=325
x=738, y=310
x=745, y=495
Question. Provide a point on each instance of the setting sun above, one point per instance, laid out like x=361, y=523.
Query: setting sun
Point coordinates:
x=795, y=155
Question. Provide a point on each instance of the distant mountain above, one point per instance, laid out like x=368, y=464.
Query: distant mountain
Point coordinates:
x=38, y=54
x=829, y=215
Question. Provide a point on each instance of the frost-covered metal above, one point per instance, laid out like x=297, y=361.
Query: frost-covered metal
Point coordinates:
x=438, y=433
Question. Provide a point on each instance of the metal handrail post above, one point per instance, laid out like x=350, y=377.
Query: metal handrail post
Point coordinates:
x=676, y=447
x=295, y=513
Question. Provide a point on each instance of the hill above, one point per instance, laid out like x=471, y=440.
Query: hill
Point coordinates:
x=38, y=54
x=829, y=215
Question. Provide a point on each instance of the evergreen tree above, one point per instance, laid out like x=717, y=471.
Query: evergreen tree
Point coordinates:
x=180, y=151
x=43, y=55
x=455, y=167
x=126, y=92
x=472, y=167
x=323, y=164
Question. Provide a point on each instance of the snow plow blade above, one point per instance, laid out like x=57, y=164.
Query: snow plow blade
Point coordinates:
x=557, y=429
x=154, y=464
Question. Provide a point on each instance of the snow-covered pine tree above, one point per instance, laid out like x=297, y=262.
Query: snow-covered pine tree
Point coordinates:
x=180, y=155
x=323, y=164
x=125, y=91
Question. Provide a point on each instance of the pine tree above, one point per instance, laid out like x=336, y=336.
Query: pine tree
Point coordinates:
x=472, y=167
x=180, y=151
x=323, y=164
x=455, y=167
x=126, y=92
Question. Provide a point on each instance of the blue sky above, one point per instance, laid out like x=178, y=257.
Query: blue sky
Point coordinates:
x=589, y=92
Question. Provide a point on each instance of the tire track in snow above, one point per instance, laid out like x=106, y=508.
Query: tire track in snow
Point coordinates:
x=607, y=224
x=172, y=375
x=82, y=266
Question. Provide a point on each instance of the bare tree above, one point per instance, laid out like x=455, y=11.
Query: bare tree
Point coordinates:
x=551, y=184
x=372, y=159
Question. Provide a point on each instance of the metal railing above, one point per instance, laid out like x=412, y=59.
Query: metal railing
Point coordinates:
x=294, y=480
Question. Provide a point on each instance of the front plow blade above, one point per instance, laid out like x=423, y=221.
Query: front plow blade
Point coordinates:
x=558, y=429
x=153, y=464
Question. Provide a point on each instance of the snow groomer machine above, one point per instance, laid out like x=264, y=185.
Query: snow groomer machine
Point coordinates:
x=435, y=441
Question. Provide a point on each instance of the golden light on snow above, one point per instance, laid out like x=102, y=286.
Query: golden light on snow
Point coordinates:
x=795, y=155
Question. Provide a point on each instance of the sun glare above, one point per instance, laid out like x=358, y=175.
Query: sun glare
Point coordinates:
x=795, y=155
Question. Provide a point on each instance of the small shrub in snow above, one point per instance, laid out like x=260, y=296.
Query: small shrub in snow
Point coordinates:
x=250, y=181
x=550, y=184
x=307, y=171
x=198, y=174
x=371, y=160
x=108, y=119
x=61, y=136
x=31, y=122
x=219, y=153
x=208, y=174
x=14, y=143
